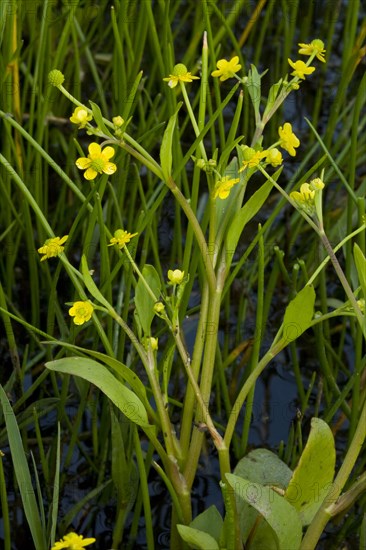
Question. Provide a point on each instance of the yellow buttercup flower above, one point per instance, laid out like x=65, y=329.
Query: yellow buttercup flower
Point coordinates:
x=52, y=247
x=305, y=198
x=315, y=47
x=288, y=140
x=251, y=157
x=227, y=69
x=121, y=237
x=300, y=69
x=81, y=312
x=72, y=541
x=176, y=276
x=223, y=186
x=274, y=157
x=81, y=117
x=97, y=161
x=317, y=184
x=180, y=74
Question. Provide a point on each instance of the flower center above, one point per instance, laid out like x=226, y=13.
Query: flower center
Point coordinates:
x=97, y=165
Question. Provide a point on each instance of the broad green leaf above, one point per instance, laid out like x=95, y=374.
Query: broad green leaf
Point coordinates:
x=166, y=155
x=360, y=262
x=210, y=521
x=197, y=539
x=90, y=284
x=264, y=467
x=88, y=369
x=278, y=513
x=98, y=117
x=143, y=300
x=245, y=214
x=299, y=314
x=314, y=473
x=22, y=474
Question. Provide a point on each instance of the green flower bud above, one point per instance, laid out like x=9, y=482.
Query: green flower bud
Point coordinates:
x=179, y=69
x=55, y=77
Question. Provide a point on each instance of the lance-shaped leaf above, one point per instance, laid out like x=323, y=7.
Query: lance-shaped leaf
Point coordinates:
x=246, y=213
x=312, y=478
x=299, y=314
x=88, y=369
x=360, y=262
x=98, y=117
x=91, y=286
x=143, y=299
x=22, y=474
x=166, y=155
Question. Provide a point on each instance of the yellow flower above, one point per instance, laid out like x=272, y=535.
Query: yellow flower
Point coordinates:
x=251, y=157
x=118, y=121
x=305, y=198
x=180, y=74
x=52, y=247
x=97, y=161
x=223, y=186
x=227, y=69
x=274, y=157
x=82, y=312
x=81, y=117
x=176, y=276
x=301, y=69
x=72, y=541
x=317, y=184
x=121, y=238
x=315, y=47
x=288, y=140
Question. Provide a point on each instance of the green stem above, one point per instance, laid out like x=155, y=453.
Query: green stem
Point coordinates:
x=197, y=231
x=234, y=415
x=343, y=280
x=193, y=119
x=205, y=383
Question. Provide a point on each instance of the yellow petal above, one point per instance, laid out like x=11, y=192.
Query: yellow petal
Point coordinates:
x=109, y=168
x=83, y=163
x=94, y=149
x=108, y=152
x=90, y=174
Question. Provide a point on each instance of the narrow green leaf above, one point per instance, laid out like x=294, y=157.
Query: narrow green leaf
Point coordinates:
x=299, y=314
x=272, y=96
x=166, y=156
x=279, y=514
x=360, y=262
x=90, y=284
x=88, y=369
x=245, y=214
x=197, y=539
x=314, y=473
x=22, y=474
x=143, y=300
x=253, y=86
x=98, y=117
